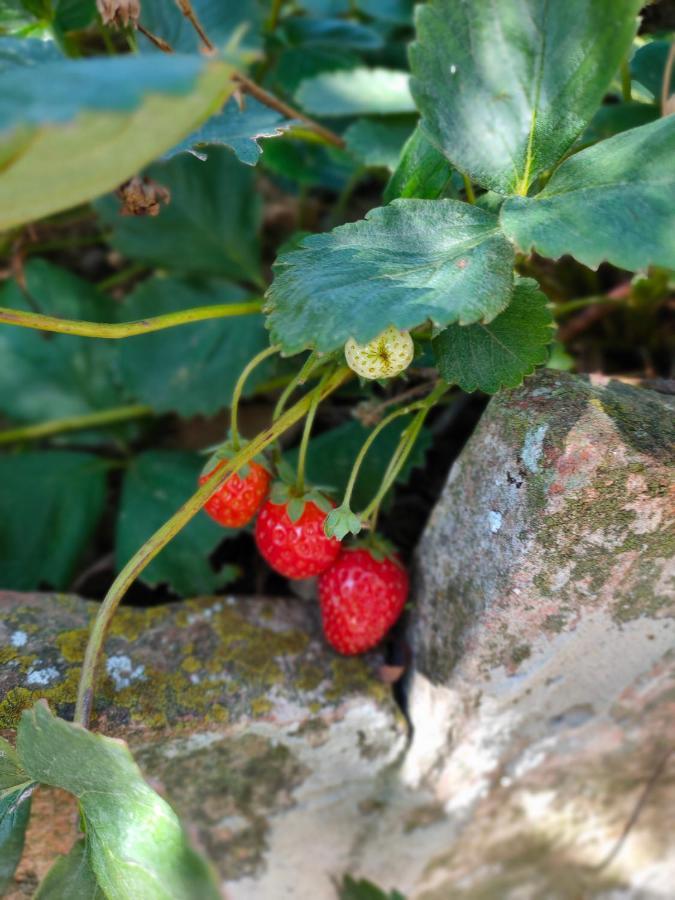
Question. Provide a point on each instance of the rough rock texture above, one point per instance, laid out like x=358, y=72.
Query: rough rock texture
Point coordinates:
x=236, y=710
x=542, y=763
x=544, y=700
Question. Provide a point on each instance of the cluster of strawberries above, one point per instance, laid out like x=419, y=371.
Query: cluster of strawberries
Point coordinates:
x=362, y=589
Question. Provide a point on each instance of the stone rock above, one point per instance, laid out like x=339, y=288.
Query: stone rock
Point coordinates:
x=236, y=710
x=544, y=698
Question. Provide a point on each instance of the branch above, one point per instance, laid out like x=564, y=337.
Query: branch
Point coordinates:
x=189, y=13
x=74, y=423
x=250, y=87
x=126, y=329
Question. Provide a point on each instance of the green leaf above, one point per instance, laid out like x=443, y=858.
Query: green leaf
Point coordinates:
x=223, y=22
x=49, y=377
x=50, y=504
x=363, y=889
x=356, y=92
x=210, y=226
x=505, y=88
x=192, y=369
x=422, y=171
x=155, y=485
x=403, y=264
x=490, y=357
x=617, y=117
x=16, y=788
x=337, y=33
x=22, y=52
x=71, y=877
x=377, y=143
x=71, y=15
x=135, y=843
x=397, y=11
x=297, y=64
x=612, y=202
x=239, y=129
x=309, y=164
x=331, y=457
x=74, y=129
x=648, y=65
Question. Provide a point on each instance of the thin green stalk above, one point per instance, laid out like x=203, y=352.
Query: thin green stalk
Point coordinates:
x=126, y=329
x=273, y=18
x=307, y=430
x=400, y=455
x=169, y=530
x=120, y=277
x=367, y=444
x=468, y=187
x=74, y=423
x=626, y=87
x=239, y=387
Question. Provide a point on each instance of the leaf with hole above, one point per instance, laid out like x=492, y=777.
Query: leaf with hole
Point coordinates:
x=135, y=843
x=500, y=354
x=505, y=88
x=403, y=264
x=613, y=202
x=239, y=129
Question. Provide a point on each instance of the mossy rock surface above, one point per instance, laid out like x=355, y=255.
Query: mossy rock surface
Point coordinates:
x=235, y=708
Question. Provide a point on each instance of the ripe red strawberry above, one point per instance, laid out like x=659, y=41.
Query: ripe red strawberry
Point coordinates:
x=296, y=549
x=236, y=502
x=361, y=595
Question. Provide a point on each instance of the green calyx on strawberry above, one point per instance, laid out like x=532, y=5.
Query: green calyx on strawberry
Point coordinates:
x=342, y=521
x=220, y=453
x=283, y=494
x=379, y=547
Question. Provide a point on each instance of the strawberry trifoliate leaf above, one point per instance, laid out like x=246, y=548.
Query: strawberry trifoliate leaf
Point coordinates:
x=499, y=354
x=403, y=264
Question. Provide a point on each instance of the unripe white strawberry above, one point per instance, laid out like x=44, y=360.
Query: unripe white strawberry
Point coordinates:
x=385, y=356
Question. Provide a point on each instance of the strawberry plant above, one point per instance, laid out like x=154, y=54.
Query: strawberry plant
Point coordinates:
x=436, y=190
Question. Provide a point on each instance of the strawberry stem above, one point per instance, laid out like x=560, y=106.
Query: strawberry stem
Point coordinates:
x=307, y=430
x=159, y=540
x=406, y=443
x=239, y=387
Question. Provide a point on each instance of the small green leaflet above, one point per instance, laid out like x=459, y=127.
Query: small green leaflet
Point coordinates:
x=356, y=92
x=16, y=788
x=612, y=202
x=505, y=88
x=351, y=889
x=71, y=877
x=377, y=143
x=135, y=843
x=422, y=171
x=155, y=485
x=71, y=130
x=403, y=264
x=500, y=354
x=50, y=505
x=210, y=227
